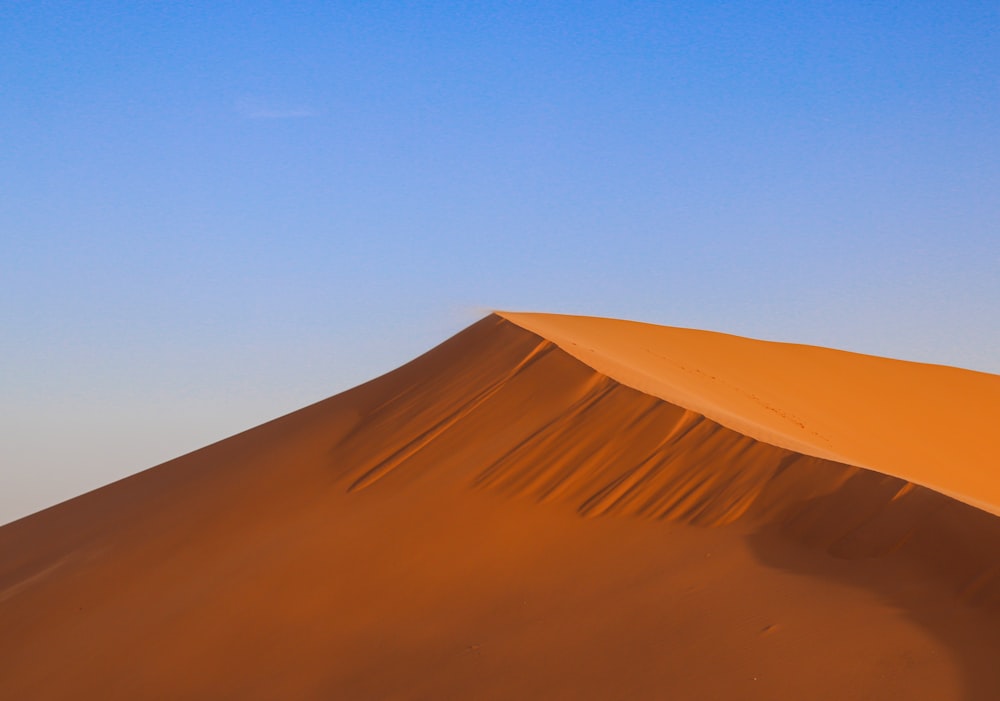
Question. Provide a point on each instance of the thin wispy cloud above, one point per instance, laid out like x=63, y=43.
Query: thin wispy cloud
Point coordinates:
x=256, y=110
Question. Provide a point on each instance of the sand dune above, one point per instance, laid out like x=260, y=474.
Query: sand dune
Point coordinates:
x=543, y=507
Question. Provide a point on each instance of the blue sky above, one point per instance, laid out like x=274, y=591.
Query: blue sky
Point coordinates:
x=215, y=213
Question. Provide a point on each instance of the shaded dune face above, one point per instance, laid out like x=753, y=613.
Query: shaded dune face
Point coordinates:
x=608, y=449
x=496, y=519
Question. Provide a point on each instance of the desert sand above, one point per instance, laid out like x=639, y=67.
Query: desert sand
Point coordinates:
x=543, y=507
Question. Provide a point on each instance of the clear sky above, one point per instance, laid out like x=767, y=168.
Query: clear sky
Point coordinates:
x=215, y=213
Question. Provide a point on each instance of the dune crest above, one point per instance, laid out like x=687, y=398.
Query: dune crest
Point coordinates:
x=927, y=424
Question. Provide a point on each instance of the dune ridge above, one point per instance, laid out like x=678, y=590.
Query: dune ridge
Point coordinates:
x=498, y=519
x=927, y=424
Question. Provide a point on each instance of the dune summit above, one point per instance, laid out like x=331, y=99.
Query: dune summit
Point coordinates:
x=543, y=506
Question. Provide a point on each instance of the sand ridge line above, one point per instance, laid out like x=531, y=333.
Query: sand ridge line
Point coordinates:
x=926, y=424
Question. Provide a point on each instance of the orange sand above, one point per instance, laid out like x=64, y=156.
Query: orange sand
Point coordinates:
x=928, y=424
x=680, y=515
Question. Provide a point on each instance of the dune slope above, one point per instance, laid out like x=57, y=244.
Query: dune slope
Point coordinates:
x=498, y=519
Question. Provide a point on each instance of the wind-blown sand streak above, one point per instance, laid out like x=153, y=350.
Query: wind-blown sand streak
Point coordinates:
x=503, y=518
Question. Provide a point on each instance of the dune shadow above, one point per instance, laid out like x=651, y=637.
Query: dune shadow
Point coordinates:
x=934, y=559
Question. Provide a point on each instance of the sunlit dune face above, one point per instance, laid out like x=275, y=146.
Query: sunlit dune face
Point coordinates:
x=928, y=424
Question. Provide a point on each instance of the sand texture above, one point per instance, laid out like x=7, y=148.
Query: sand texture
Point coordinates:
x=543, y=507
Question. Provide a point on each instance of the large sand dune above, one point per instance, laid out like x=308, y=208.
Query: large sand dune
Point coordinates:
x=543, y=507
